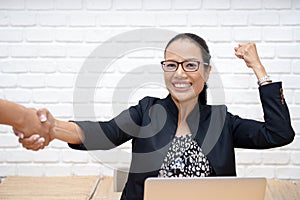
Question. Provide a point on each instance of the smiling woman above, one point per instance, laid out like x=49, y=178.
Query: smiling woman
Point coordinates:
x=180, y=135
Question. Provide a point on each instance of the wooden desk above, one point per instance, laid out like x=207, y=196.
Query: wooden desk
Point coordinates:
x=101, y=188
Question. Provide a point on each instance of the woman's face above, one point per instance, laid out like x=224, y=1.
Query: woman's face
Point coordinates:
x=184, y=86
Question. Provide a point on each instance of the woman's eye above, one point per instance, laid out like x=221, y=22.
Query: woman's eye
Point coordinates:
x=191, y=65
x=171, y=65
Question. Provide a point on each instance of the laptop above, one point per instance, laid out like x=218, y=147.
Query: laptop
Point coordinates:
x=206, y=188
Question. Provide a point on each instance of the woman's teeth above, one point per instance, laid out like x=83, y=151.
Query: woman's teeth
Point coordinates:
x=182, y=85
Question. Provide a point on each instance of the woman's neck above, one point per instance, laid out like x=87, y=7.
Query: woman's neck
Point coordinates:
x=185, y=108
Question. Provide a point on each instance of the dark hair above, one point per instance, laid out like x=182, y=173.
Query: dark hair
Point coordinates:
x=205, y=55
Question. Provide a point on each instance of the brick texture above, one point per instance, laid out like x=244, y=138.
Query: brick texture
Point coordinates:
x=47, y=45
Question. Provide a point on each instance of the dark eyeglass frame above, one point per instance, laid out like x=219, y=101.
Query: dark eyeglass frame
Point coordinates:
x=181, y=63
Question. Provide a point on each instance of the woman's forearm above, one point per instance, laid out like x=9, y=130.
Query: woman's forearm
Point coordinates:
x=68, y=132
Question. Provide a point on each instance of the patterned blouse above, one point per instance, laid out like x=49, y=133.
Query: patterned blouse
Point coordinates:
x=185, y=159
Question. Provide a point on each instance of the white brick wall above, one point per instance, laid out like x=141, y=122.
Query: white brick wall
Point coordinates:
x=45, y=43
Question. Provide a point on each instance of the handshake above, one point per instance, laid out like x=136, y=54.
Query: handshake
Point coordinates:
x=35, y=128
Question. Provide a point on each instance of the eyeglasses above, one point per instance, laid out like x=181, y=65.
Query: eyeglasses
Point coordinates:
x=187, y=65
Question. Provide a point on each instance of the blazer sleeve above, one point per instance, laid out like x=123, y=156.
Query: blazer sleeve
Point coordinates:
x=106, y=135
x=275, y=131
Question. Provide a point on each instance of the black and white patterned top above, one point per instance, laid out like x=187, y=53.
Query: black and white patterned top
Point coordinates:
x=185, y=159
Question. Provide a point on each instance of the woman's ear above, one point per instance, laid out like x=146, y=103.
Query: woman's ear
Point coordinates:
x=207, y=73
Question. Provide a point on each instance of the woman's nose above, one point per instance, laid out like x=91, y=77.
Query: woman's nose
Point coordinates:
x=180, y=70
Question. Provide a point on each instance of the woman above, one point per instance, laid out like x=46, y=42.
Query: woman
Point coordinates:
x=181, y=135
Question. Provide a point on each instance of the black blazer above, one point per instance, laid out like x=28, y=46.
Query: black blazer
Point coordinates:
x=151, y=125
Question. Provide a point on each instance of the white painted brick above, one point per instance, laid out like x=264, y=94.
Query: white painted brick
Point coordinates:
x=278, y=34
x=246, y=97
x=30, y=170
x=3, y=51
x=288, y=172
x=11, y=35
x=12, y=67
x=296, y=36
x=260, y=171
x=266, y=51
x=110, y=19
x=24, y=51
x=233, y=19
x=246, y=5
x=290, y=81
x=80, y=51
x=39, y=4
x=297, y=97
x=240, y=170
x=69, y=35
x=82, y=20
x=39, y=35
x=290, y=18
x=51, y=19
x=157, y=5
x=86, y=170
x=18, y=95
x=12, y=4
x=40, y=66
x=8, y=141
x=280, y=66
x=31, y=81
x=248, y=157
x=275, y=157
x=235, y=81
x=142, y=19
x=296, y=126
x=58, y=169
x=60, y=81
x=215, y=4
x=171, y=19
x=98, y=5
x=206, y=18
x=69, y=66
x=100, y=34
x=295, y=66
x=183, y=5
x=222, y=50
x=51, y=51
x=60, y=110
x=295, y=145
x=277, y=4
x=71, y=156
x=22, y=19
x=58, y=144
x=46, y=156
x=217, y=35
x=264, y=18
x=46, y=96
x=7, y=80
x=128, y=4
x=246, y=34
x=68, y=4
x=295, y=112
x=18, y=155
x=295, y=158
x=4, y=19
x=8, y=169
x=288, y=51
